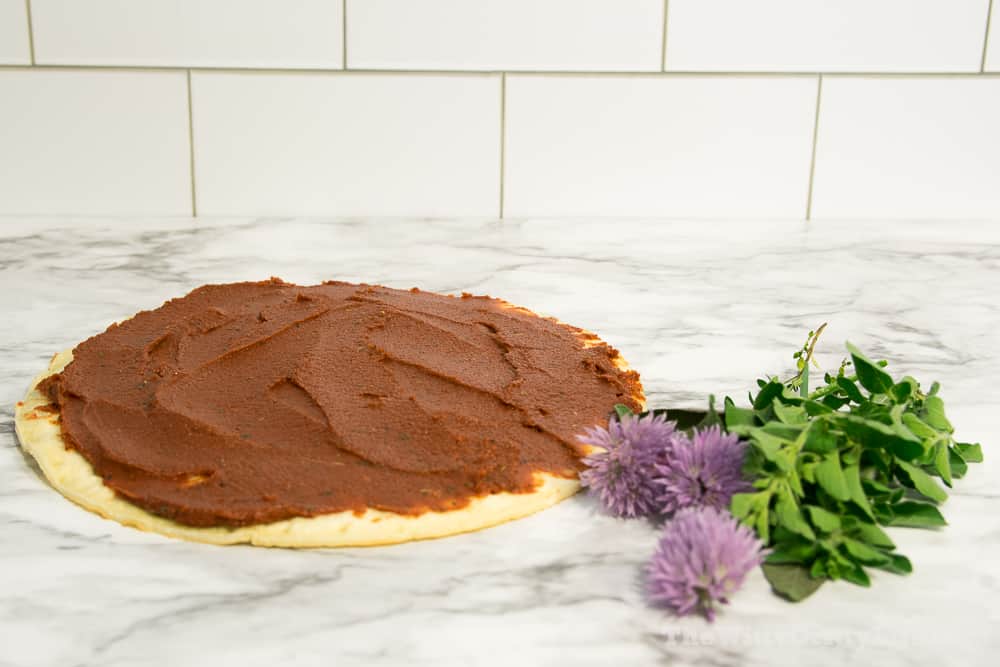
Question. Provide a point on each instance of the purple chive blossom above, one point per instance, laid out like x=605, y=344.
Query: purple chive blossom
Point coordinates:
x=701, y=560
x=704, y=470
x=621, y=471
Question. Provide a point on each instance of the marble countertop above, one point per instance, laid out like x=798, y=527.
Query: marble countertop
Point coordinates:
x=697, y=308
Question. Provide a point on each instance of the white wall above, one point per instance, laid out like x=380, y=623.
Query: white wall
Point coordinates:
x=492, y=108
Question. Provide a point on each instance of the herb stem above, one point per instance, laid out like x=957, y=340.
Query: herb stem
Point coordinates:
x=807, y=356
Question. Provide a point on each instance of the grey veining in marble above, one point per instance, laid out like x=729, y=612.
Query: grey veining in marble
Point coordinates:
x=696, y=308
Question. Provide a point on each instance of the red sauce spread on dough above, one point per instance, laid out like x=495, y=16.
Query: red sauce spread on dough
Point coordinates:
x=253, y=402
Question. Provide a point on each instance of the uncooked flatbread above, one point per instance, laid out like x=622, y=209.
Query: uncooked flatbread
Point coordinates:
x=72, y=475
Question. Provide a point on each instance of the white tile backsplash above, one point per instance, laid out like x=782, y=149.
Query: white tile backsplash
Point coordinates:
x=203, y=33
x=701, y=146
x=908, y=148
x=94, y=143
x=595, y=35
x=418, y=124
x=992, y=53
x=14, y=46
x=826, y=35
x=347, y=144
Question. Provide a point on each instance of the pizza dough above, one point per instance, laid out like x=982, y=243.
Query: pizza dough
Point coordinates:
x=38, y=428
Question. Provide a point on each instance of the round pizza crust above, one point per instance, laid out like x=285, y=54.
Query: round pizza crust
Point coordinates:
x=71, y=474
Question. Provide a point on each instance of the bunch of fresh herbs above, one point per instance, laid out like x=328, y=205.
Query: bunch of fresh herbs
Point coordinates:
x=833, y=464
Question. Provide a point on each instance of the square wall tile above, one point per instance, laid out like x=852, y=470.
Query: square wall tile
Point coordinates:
x=680, y=146
x=595, y=35
x=94, y=143
x=190, y=33
x=347, y=144
x=908, y=148
x=14, y=45
x=826, y=35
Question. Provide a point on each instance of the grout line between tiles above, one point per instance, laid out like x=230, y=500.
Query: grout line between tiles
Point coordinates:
x=503, y=136
x=31, y=30
x=343, y=33
x=815, y=140
x=986, y=37
x=663, y=43
x=481, y=72
x=194, y=197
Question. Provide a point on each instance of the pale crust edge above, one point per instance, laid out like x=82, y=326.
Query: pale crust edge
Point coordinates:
x=72, y=475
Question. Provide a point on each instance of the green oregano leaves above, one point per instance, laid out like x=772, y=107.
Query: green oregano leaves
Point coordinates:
x=831, y=465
